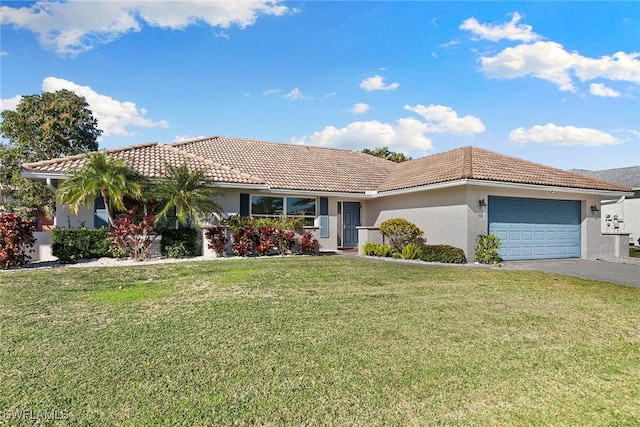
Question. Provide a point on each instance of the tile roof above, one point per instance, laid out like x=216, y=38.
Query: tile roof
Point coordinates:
x=149, y=160
x=480, y=164
x=629, y=177
x=300, y=167
x=296, y=167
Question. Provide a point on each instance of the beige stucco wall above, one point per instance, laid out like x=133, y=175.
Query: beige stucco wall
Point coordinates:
x=65, y=219
x=440, y=214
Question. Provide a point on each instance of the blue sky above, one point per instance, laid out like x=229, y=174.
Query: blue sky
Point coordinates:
x=552, y=82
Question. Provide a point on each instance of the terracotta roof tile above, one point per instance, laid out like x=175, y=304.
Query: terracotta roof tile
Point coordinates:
x=480, y=164
x=149, y=160
x=300, y=167
x=295, y=167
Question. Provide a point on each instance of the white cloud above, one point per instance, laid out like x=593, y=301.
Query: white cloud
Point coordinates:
x=10, y=103
x=184, y=138
x=114, y=117
x=75, y=26
x=544, y=60
x=271, y=92
x=550, y=134
x=407, y=134
x=599, y=89
x=548, y=60
x=509, y=31
x=377, y=83
x=360, y=108
x=621, y=66
x=295, y=94
x=4, y=53
x=442, y=119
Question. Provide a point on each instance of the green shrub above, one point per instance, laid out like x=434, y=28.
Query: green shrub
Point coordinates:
x=487, y=246
x=400, y=233
x=411, y=251
x=73, y=244
x=370, y=248
x=178, y=250
x=442, y=253
x=179, y=243
x=383, y=250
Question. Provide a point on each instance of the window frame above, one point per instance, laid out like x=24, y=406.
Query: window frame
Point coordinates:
x=308, y=219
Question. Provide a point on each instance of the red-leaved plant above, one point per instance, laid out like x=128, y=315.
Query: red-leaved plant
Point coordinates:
x=246, y=241
x=267, y=240
x=217, y=238
x=285, y=239
x=308, y=245
x=16, y=241
x=132, y=234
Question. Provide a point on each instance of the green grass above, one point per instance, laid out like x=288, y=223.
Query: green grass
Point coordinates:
x=633, y=253
x=316, y=341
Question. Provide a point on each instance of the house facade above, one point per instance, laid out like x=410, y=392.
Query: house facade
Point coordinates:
x=343, y=196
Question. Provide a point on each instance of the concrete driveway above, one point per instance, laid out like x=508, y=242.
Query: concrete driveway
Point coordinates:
x=605, y=271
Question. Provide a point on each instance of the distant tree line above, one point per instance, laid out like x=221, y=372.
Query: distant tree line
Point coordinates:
x=385, y=153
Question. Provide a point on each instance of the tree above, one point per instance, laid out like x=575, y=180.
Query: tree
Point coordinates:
x=43, y=127
x=187, y=192
x=385, y=153
x=101, y=176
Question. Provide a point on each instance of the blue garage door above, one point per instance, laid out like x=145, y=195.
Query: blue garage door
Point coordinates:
x=535, y=228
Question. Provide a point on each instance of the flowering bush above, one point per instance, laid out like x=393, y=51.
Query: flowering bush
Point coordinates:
x=16, y=241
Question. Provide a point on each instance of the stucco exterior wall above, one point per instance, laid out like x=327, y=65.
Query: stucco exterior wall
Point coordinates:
x=66, y=219
x=441, y=214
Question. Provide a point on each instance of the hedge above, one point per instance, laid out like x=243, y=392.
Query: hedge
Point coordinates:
x=73, y=244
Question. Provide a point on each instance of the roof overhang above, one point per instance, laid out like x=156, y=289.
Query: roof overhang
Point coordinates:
x=549, y=188
x=373, y=194
x=500, y=184
x=43, y=175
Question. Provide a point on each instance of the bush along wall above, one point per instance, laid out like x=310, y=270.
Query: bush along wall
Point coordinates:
x=252, y=237
x=73, y=244
x=428, y=253
x=406, y=241
x=179, y=243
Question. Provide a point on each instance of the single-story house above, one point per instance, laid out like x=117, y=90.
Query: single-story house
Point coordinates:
x=537, y=211
x=620, y=214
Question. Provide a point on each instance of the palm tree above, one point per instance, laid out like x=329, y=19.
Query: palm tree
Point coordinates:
x=187, y=192
x=101, y=176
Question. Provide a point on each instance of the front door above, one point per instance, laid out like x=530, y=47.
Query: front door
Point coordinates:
x=350, y=222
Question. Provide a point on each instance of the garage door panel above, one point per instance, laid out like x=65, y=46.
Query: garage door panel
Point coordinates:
x=535, y=228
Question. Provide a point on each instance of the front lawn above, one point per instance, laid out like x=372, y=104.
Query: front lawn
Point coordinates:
x=316, y=341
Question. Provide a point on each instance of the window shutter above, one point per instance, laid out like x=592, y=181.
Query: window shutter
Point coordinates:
x=244, y=204
x=324, y=217
x=324, y=206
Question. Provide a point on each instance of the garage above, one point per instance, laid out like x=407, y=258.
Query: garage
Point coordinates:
x=535, y=228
